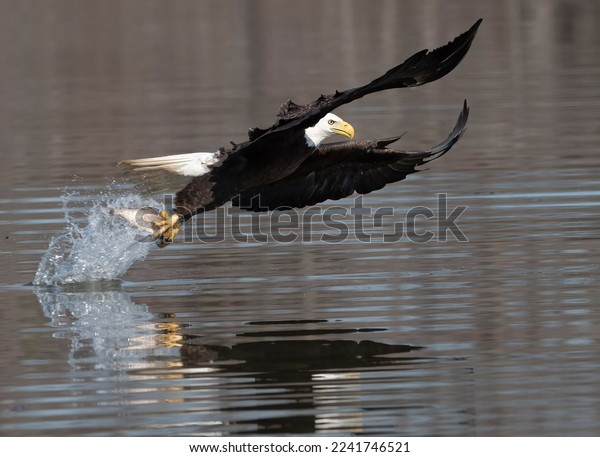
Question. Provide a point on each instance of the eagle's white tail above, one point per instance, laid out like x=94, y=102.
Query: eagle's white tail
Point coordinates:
x=168, y=173
x=193, y=164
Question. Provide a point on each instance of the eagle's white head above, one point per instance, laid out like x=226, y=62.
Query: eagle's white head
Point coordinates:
x=326, y=127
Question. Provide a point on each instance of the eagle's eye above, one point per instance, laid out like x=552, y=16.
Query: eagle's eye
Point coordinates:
x=331, y=122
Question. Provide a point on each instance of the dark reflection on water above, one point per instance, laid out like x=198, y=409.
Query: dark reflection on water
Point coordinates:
x=302, y=375
x=494, y=336
x=299, y=377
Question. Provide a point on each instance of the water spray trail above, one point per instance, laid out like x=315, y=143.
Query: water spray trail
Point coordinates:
x=95, y=244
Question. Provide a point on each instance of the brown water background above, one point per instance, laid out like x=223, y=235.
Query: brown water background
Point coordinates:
x=495, y=336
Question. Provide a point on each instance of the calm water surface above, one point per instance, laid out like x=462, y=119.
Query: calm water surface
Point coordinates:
x=497, y=335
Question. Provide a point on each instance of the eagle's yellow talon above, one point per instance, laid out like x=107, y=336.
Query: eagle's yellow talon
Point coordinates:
x=166, y=228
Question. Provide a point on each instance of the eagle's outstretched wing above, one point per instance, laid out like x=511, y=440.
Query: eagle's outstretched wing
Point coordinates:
x=337, y=170
x=422, y=68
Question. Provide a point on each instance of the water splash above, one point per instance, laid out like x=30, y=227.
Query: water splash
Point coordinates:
x=95, y=245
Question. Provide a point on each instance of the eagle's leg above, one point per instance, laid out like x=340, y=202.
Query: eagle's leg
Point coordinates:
x=166, y=228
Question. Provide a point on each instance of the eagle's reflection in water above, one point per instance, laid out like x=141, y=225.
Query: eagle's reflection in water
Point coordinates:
x=275, y=377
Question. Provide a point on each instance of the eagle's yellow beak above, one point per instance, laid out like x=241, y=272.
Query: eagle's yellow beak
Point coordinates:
x=344, y=129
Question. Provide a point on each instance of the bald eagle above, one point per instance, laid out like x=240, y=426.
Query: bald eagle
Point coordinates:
x=286, y=165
